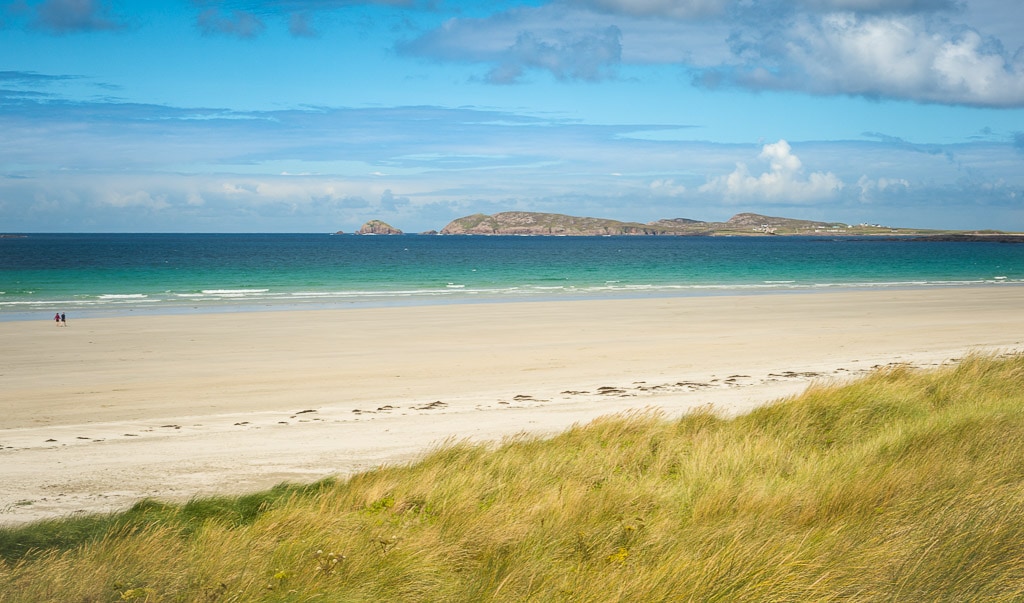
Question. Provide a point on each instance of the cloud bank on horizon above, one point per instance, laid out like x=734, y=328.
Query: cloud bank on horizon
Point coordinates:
x=318, y=115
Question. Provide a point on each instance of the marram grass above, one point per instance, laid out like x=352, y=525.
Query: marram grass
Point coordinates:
x=903, y=486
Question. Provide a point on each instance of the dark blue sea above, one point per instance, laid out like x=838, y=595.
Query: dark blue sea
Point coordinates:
x=118, y=274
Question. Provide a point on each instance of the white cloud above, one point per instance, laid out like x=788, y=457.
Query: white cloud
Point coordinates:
x=570, y=44
x=555, y=36
x=568, y=56
x=92, y=161
x=667, y=187
x=137, y=198
x=904, y=57
x=870, y=188
x=902, y=49
x=783, y=182
x=236, y=188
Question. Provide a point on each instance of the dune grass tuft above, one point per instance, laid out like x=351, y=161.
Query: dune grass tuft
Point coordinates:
x=906, y=485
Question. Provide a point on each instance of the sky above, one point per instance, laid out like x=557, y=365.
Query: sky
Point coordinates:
x=320, y=115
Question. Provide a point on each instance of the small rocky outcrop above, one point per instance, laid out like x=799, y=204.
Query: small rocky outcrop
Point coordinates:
x=377, y=227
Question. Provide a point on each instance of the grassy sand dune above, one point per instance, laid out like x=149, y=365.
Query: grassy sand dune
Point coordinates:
x=902, y=486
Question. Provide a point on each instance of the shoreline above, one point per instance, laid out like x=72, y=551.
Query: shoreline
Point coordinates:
x=108, y=411
x=383, y=300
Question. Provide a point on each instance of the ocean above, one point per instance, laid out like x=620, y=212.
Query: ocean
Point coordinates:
x=120, y=274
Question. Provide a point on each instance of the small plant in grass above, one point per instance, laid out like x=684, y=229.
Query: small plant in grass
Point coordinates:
x=619, y=557
x=382, y=504
x=136, y=593
x=279, y=579
x=327, y=563
x=214, y=593
x=386, y=544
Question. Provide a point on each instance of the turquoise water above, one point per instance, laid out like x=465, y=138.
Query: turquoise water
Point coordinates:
x=111, y=274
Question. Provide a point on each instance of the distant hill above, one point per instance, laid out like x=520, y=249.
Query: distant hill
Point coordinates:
x=743, y=224
x=376, y=227
x=533, y=223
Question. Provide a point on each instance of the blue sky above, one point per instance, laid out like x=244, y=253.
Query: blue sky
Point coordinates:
x=318, y=115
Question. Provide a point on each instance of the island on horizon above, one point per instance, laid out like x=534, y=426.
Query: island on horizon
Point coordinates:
x=524, y=223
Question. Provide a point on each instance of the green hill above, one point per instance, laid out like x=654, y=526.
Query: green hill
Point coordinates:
x=745, y=224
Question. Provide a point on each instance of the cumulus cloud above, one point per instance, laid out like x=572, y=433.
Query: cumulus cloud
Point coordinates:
x=568, y=56
x=237, y=23
x=390, y=202
x=904, y=57
x=667, y=187
x=783, y=182
x=900, y=49
x=870, y=188
x=67, y=16
x=571, y=44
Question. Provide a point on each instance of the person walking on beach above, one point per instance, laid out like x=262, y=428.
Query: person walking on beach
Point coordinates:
x=63, y=320
x=56, y=318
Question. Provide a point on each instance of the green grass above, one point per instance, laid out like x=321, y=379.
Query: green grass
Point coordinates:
x=66, y=534
x=903, y=486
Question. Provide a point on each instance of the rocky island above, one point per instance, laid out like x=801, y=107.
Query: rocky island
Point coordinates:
x=532, y=223
x=377, y=227
x=524, y=223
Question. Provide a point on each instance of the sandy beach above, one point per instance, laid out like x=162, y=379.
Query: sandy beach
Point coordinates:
x=104, y=412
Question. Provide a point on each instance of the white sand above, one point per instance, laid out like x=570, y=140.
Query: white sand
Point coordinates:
x=105, y=412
